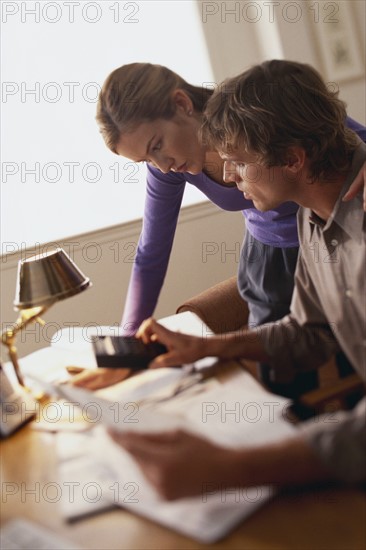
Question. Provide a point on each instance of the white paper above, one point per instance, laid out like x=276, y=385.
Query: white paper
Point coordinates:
x=23, y=533
x=205, y=518
x=122, y=416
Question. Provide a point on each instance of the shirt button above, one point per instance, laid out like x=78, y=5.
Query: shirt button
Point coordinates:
x=348, y=293
x=334, y=242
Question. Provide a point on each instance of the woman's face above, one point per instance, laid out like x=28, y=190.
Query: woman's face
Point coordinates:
x=169, y=145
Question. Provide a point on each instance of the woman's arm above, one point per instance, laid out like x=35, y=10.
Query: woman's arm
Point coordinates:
x=164, y=195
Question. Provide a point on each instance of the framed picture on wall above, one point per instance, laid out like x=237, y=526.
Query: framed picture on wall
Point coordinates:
x=340, y=49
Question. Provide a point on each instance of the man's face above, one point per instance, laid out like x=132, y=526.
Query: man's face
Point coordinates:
x=266, y=187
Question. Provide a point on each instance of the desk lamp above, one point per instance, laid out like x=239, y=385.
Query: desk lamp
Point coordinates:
x=42, y=280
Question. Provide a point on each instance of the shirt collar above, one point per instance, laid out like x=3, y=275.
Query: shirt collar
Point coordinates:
x=347, y=215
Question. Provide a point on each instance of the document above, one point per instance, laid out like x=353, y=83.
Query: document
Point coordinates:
x=101, y=474
x=235, y=414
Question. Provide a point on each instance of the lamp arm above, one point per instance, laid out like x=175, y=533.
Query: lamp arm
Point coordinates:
x=8, y=336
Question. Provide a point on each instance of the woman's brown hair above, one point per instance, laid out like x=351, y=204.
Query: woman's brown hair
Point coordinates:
x=141, y=92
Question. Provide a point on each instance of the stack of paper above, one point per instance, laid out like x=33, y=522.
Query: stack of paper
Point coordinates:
x=97, y=474
x=238, y=413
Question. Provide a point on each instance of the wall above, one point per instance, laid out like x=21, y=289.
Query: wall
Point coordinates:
x=240, y=34
x=206, y=251
x=234, y=43
x=55, y=58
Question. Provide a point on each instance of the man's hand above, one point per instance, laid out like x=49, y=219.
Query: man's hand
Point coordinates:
x=357, y=186
x=179, y=464
x=182, y=348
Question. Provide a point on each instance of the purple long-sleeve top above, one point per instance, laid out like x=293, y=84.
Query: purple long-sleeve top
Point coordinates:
x=164, y=194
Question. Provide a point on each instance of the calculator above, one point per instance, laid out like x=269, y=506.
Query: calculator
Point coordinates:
x=125, y=352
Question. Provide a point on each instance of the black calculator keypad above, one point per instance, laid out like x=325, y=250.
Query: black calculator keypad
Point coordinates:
x=125, y=352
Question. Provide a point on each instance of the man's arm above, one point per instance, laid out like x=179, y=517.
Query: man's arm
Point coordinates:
x=179, y=464
x=302, y=340
x=183, y=348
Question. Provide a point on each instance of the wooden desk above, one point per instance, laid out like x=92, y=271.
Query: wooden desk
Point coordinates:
x=327, y=519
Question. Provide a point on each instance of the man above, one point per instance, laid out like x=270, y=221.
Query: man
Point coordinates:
x=282, y=135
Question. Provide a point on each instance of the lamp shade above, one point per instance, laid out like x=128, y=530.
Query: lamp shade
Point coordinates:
x=46, y=278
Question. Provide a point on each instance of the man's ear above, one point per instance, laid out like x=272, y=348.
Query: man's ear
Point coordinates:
x=182, y=101
x=295, y=159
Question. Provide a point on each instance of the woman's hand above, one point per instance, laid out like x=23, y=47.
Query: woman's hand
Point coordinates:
x=97, y=379
x=358, y=184
x=182, y=348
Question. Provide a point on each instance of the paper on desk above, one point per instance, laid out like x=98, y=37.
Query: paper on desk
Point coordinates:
x=240, y=414
x=86, y=484
x=91, y=482
x=157, y=383
x=49, y=364
x=120, y=415
x=235, y=414
x=20, y=533
x=121, y=403
x=206, y=518
x=117, y=480
x=203, y=518
x=107, y=476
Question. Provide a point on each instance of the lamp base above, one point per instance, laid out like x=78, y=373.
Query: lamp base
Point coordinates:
x=18, y=406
